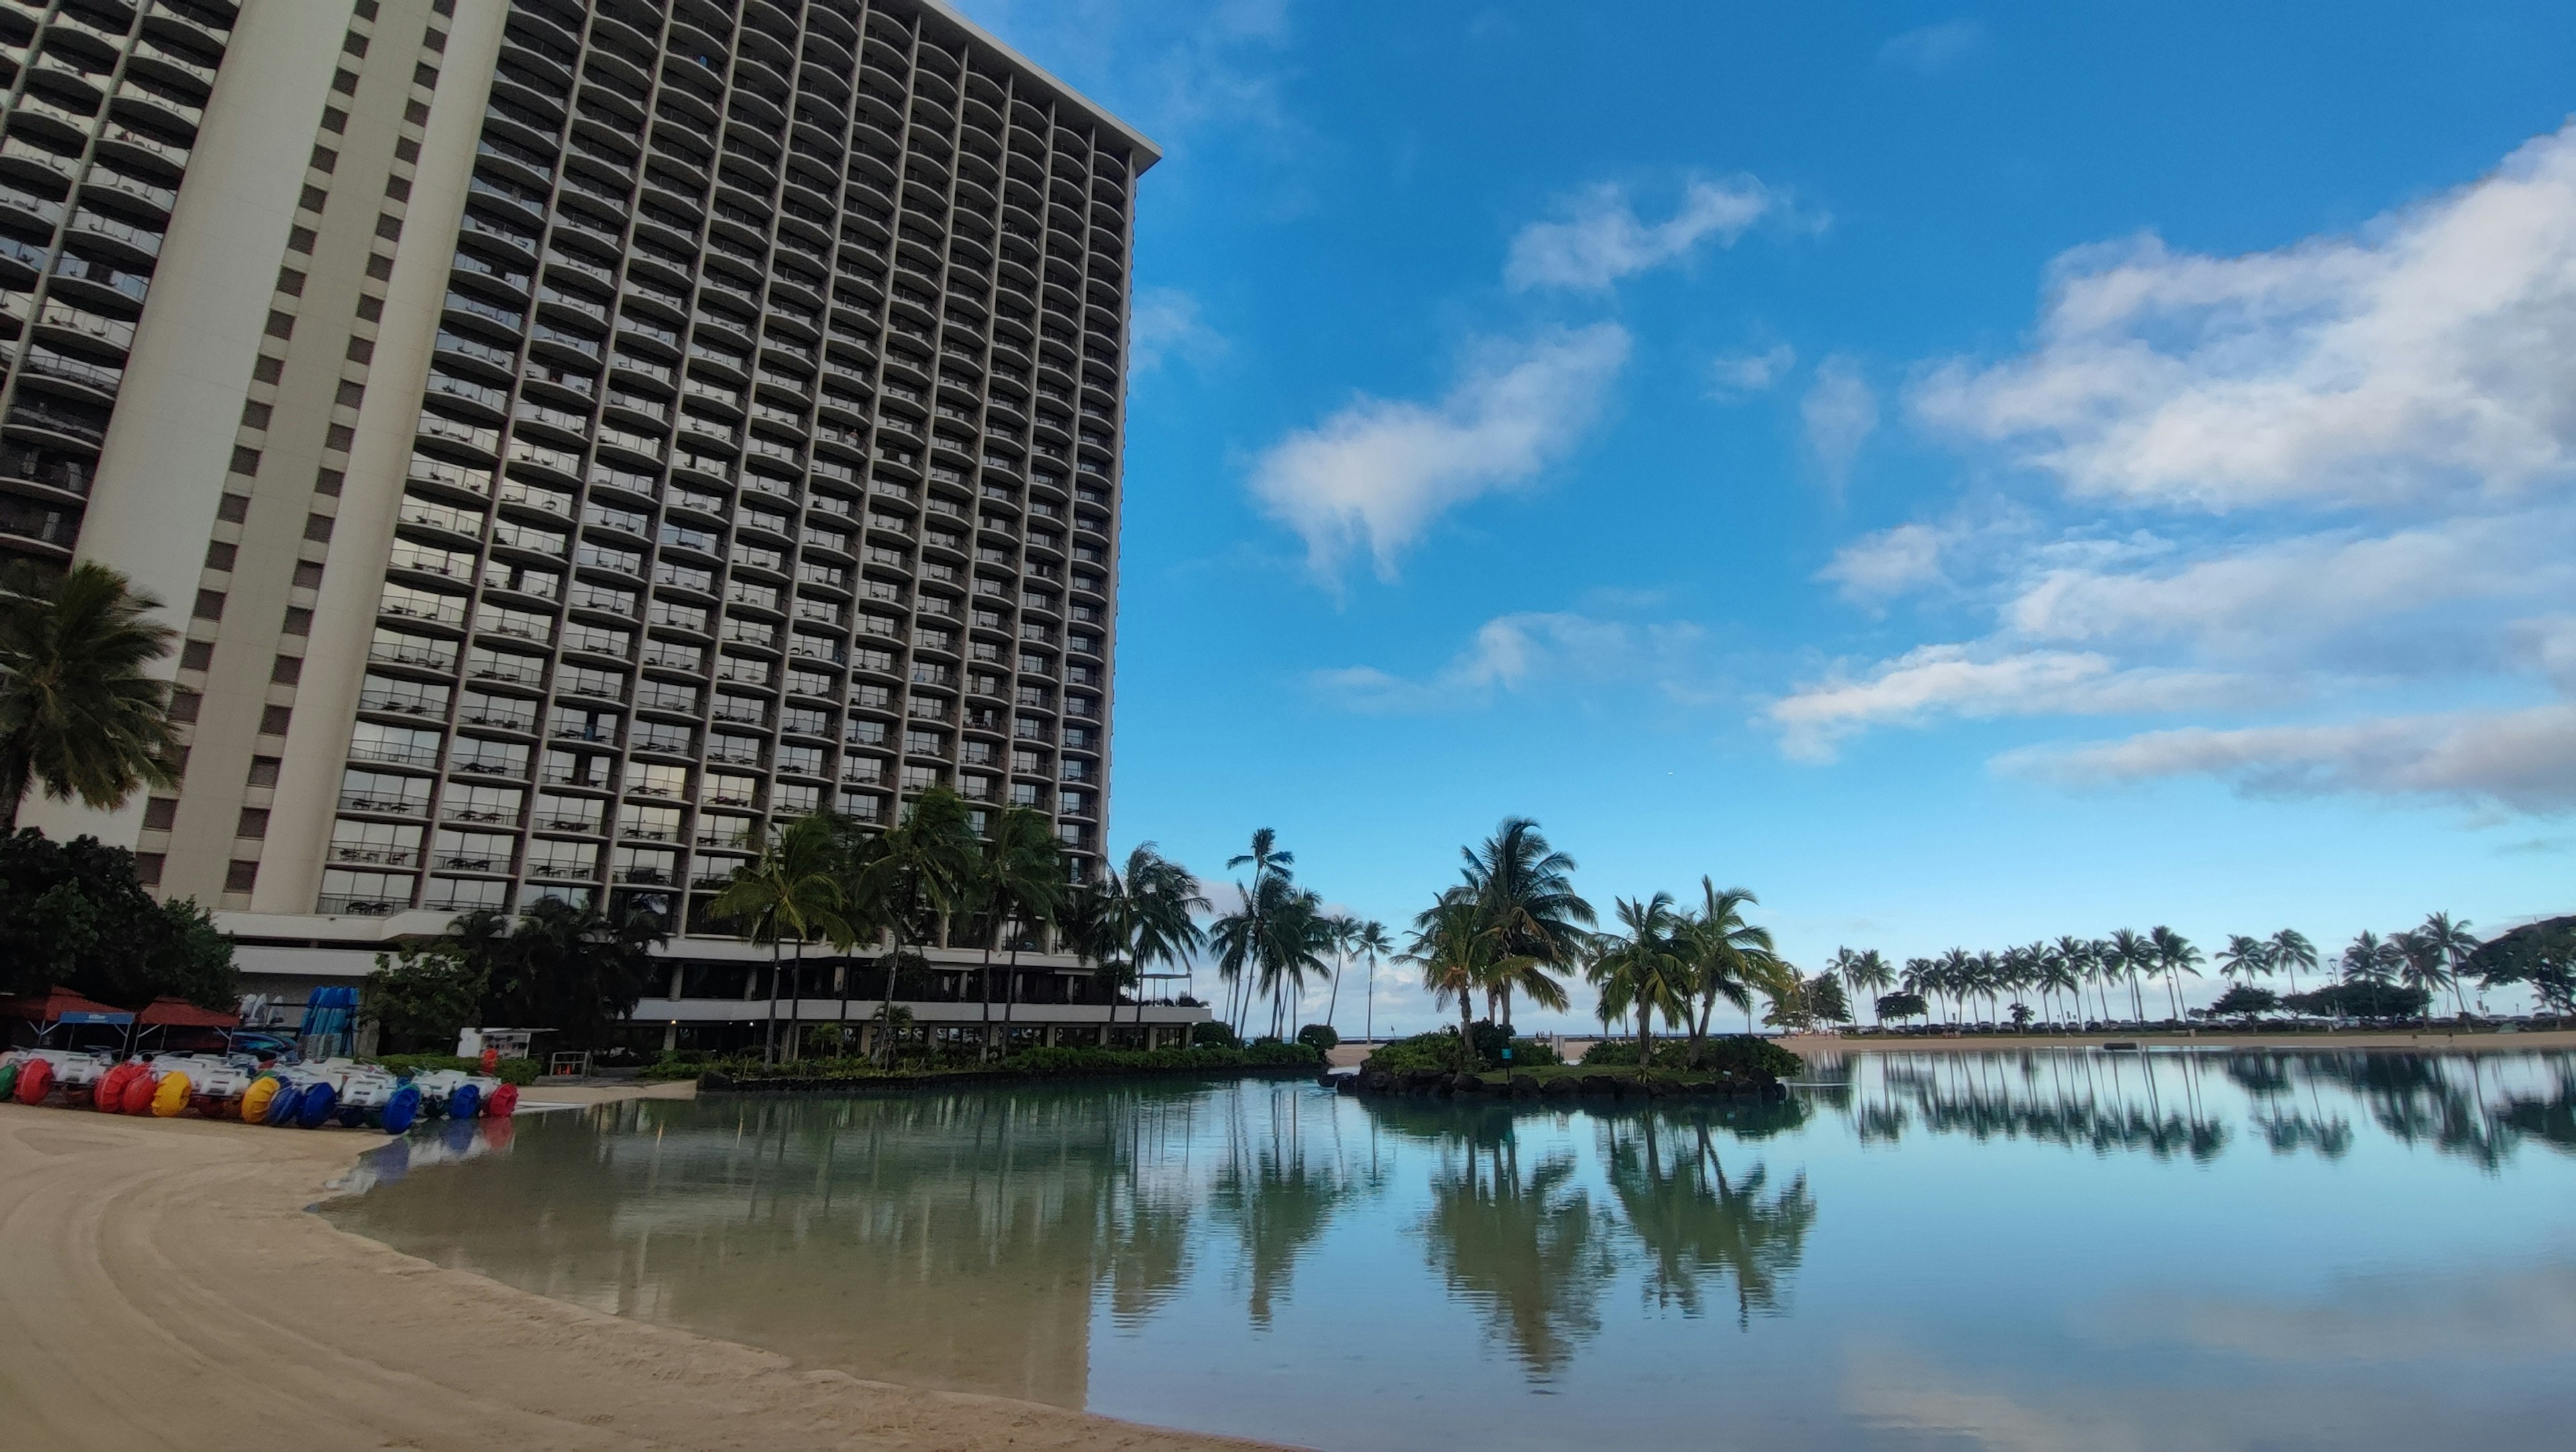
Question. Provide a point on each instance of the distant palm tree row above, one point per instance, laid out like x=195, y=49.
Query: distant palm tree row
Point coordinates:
x=2060, y=972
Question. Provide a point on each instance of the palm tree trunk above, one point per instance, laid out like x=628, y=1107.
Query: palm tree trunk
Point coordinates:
x=984, y=1050
x=796, y=1005
x=769, y=1032
x=1332, y=1005
x=841, y=980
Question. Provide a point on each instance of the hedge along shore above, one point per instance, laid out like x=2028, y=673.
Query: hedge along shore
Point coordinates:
x=717, y=1083
x=167, y=1289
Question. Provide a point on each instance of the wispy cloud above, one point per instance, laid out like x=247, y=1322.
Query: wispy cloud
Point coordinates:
x=1954, y=681
x=1887, y=563
x=1740, y=373
x=1840, y=412
x=1515, y=653
x=2352, y=454
x=1600, y=238
x=2430, y=357
x=1931, y=49
x=1167, y=324
x=2518, y=760
x=1375, y=474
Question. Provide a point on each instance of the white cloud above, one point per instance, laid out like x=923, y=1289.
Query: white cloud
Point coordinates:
x=1931, y=49
x=2520, y=760
x=2432, y=356
x=1889, y=562
x=2260, y=599
x=1941, y=681
x=1840, y=413
x=1378, y=472
x=1512, y=653
x=1751, y=372
x=1601, y=240
x=1167, y=324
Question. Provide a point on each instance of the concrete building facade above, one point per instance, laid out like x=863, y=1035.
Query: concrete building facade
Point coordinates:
x=577, y=436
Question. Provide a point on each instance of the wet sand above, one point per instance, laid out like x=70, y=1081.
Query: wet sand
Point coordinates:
x=166, y=1287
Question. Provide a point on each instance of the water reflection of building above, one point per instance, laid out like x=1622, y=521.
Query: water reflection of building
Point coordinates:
x=952, y=1242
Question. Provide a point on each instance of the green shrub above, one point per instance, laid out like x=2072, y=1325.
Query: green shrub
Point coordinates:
x=1319, y=1037
x=1435, y=1050
x=1214, y=1035
x=521, y=1072
x=1733, y=1053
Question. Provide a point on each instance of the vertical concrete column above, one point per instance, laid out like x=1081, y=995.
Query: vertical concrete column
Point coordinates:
x=161, y=470
x=335, y=660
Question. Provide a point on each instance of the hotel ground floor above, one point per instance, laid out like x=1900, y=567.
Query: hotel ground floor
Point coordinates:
x=716, y=994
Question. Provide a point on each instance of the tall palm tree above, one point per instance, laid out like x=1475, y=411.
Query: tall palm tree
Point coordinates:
x=1867, y=972
x=1344, y=928
x=1458, y=960
x=2061, y=970
x=1727, y=957
x=2422, y=964
x=2245, y=956
x=2174, y=957
x=1371, y=943
x=2369, y=958
x=2292, y=951
x=1268, y=861
x=1643, y=969
x=922, y=870
x=795, y=889
x=2456, y=943
x=1019, y=879
x=2133, y=955
x=1525, y=888
x=79, y=716
x=1272, y=941
x=1156, y=902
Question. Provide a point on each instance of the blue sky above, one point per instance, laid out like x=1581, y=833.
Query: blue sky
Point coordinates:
x=1967, y=475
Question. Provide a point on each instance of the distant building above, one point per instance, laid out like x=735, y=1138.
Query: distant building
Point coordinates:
x=579, y=435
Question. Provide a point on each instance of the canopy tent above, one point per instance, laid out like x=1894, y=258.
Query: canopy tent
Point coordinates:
x=179, y=1013
x=61, y=1005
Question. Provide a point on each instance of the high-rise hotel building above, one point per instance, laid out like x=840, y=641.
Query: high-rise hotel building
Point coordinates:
x=572, y=434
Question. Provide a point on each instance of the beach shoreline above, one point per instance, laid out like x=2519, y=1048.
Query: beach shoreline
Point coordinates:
x=1814, y=1046
x=168, y=1287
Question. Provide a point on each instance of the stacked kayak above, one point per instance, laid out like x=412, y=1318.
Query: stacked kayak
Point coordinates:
x=307, y=1096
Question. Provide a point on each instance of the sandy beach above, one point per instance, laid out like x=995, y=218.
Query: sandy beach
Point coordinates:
x=166, y=1287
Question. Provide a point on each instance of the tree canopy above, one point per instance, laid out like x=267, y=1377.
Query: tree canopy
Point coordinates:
x=73, y=915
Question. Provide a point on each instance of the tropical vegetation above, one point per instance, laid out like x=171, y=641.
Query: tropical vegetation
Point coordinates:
x=81, y=716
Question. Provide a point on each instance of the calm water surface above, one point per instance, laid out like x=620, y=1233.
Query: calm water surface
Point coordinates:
x=2016, y=1251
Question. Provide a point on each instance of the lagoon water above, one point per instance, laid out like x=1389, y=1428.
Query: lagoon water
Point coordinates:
x=2011, y=1251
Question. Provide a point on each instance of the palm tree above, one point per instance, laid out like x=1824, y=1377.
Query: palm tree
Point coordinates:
x=1344, y=929
x=1272, y=940
x=2422, y=964
x=2133, y=954
x=923, y=869
x=2370, y=959
x=2456, y=943
x=1371, y=942
x=1458, y=960
x=2174, y=957
x=1727, y=958
x=1267, y=861
x=2245, y=956
x=79, y=717
x=2061, y=970
x=2291, y=950
x=1155, y=902
x=796, y=888
x=1525, y=889
x=1644, y=970
x=1019, y=879
x=1867, y=972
